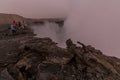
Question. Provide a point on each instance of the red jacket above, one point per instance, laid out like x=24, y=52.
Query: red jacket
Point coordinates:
x=14, y=23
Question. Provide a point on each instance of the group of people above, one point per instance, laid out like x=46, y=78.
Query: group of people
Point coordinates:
x=17, y=26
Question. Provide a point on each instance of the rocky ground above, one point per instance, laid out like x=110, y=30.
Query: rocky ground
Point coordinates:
x=24, y=57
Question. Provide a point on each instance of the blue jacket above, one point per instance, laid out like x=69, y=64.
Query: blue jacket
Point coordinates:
x=12, y=27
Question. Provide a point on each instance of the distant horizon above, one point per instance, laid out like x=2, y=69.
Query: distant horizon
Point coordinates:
x=37, y=17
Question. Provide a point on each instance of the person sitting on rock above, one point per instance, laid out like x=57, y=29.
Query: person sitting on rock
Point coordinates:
x=19, y=25
x=24, y=24
x=13, y=29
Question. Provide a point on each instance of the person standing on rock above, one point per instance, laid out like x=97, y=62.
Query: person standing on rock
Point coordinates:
x=14, y=23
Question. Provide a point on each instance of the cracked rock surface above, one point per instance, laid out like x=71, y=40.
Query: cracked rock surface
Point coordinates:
x=30, y=58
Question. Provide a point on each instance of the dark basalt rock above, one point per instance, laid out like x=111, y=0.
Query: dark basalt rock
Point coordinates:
x=29, y=58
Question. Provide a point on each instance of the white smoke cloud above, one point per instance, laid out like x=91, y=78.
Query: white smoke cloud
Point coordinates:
x=96, y=22
x=52, y=30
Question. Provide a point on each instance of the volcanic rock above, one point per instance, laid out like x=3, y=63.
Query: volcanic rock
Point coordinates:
x=30, y=58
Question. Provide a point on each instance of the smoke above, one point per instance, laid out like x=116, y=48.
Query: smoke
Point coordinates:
x=51, y=30
x=95, y=22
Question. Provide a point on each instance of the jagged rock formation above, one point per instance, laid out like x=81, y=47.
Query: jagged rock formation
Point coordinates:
x=30, y=58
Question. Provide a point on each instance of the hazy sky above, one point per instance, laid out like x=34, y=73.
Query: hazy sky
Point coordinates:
x=96, y=22
x=35, y=8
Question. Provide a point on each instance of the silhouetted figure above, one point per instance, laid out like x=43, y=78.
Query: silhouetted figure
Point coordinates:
x=19, y=24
